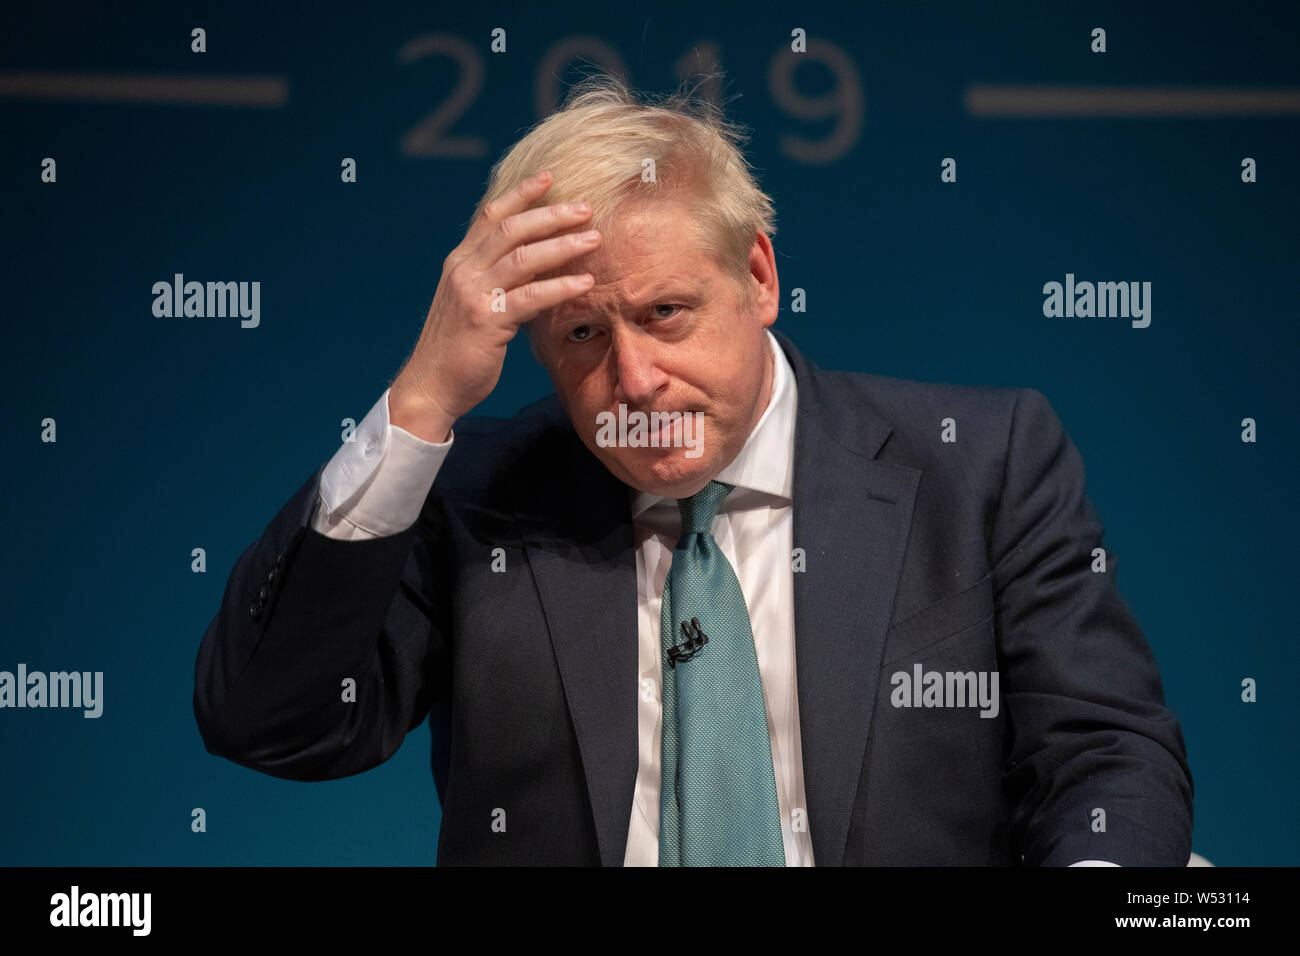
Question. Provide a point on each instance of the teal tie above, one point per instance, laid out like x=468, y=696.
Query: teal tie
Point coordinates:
x=717, y=804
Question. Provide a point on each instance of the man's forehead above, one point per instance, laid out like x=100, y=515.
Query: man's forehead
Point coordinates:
x=648, y=250
x=640, y=228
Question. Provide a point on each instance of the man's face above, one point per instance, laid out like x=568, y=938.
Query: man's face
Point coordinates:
x=663, y=329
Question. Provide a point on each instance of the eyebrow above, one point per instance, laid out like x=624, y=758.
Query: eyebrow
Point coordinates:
x=656, y=293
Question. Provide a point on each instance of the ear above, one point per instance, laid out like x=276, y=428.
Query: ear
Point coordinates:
x=762, y=274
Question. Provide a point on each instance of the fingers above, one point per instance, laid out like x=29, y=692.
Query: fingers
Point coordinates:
x=525, y=227
x=524, y=303
x=509, y=244
x=525, y=262
x=516, y=200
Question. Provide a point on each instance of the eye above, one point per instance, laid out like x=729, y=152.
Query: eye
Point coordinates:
x=580, y=333
x=665, y=305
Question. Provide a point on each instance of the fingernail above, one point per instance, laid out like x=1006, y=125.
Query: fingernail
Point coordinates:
x=582, y=207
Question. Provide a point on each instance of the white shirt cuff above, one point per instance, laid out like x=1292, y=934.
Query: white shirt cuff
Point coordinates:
x=376, y=483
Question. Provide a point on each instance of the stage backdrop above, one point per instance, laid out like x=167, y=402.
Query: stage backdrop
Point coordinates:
x=933, y=168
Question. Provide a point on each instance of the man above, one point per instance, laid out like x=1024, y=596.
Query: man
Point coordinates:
x=782, y=621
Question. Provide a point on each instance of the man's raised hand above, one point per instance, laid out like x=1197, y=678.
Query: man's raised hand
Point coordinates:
x=458, y=358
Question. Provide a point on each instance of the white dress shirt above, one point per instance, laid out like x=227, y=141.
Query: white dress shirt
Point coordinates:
x=754, y=529
x=376, y=485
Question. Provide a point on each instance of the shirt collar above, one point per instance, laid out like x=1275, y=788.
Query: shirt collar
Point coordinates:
x=766, y=462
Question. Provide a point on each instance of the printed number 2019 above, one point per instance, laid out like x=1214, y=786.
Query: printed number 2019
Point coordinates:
x=844, y=102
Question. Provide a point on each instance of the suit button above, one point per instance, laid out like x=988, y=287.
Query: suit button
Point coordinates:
x=261, y=594
x=255, y=611
x=270, y=578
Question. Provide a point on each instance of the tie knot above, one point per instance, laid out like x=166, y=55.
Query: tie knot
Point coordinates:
x=699, y=509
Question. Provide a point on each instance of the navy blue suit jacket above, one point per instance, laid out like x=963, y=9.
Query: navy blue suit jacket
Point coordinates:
x=965, y=557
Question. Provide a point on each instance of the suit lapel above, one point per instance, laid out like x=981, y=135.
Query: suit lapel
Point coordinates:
x=852, y=515
x=584, y=564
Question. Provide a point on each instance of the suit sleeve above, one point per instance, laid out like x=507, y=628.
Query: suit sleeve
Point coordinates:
x=325, y=651
x=1097, y=768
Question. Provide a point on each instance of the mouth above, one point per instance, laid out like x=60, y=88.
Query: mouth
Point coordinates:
x=636, y=430
x=672, y=435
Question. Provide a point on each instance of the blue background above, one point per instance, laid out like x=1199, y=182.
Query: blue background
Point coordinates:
x=181, y=433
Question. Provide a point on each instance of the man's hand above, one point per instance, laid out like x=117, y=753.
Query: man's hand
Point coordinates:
x=458, y=359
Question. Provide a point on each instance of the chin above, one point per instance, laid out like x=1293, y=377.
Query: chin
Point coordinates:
x=666, y=472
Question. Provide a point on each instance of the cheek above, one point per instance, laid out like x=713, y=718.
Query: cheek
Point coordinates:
x=735, y=399
x=736, y=384
x=583, y=404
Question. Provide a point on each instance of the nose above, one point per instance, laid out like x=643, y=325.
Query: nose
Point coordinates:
x=638, y=376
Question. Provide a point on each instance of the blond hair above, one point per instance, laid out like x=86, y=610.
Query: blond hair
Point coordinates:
x=595, y=144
